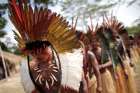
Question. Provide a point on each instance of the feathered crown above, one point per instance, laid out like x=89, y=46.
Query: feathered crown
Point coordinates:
x=40, y=24
x=113, y=24
x=91, y=32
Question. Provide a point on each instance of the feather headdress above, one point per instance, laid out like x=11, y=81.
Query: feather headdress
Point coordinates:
x=40, y=24
x=91, y=33
x=117, y=29
x=111, y=30
x=113, y=24
x=90, y=36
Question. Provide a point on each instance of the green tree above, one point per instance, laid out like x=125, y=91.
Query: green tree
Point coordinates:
x=86, y=7
x=46, y=3
x=82, y=8
x=3, y=22
x=3, y=6
x=14, y=49
x=134, y=29
x=2, y=33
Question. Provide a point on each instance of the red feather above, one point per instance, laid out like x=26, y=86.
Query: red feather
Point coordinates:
x=16, y=9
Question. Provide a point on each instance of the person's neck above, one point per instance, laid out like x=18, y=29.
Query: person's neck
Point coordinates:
x=43, y=61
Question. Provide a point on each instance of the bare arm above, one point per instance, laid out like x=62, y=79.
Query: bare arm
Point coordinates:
x=124, y=68
x=106, y=65
x=85, y=88
x=96, y=71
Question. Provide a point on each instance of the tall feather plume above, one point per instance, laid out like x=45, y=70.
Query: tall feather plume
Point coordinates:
x=91, y=32
x=41, y=24
x=74, y=24
x=112, y=23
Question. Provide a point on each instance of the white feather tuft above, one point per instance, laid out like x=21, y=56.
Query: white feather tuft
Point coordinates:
x=72, y=64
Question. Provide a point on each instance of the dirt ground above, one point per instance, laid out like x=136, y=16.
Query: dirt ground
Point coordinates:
x=13, y=84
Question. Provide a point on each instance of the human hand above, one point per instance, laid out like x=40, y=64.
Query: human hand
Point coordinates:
x=101, y=67
x=99, y=90
x=126, y=73
x=131, y=64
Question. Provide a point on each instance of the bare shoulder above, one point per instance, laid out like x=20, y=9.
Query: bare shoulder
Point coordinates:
x=91, y=54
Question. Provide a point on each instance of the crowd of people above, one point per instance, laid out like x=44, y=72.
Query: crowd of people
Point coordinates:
x=115, y=55
x=64, y=60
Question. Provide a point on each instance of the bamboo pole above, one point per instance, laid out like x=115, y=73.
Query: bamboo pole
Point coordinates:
x=4, y=64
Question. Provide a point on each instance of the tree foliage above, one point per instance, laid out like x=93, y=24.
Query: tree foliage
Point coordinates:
x=86, y=7
x=2, y=22
x=2, y=25
x=3, y=6
x=44, y=1
x=134, y=29
x=4, y=47
x=131, y=2
x=81, y=7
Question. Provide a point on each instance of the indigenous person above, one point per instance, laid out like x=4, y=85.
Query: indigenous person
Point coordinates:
x=91, y=68
x=120, y=59
x=134, y=52
x=43, y=67
x=129, y=63
x=125, y=38
x=137, y=42
x=105, y=63
x=54, y=60
x=119, y=68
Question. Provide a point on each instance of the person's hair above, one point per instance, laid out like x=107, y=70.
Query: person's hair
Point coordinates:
x=37, y=46
x=124, y=31
x=131, y=37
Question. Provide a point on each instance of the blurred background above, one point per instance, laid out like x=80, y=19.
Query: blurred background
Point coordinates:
x=126, y=11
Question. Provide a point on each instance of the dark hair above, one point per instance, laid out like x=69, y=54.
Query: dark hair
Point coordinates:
x=37, y=45
x=131, y=37
x=123, y=31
